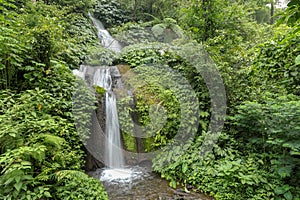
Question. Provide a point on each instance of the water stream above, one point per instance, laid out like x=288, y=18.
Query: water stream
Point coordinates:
x=124, y=182
x=106, y=39
x=137, y=183
x=114, y=157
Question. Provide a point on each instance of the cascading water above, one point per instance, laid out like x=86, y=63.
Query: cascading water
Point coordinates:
x=122, y=182
x=80, y=73
x=106, y=39
x=114, y=157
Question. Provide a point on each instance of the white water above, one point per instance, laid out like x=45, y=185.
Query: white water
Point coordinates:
x=114, y=157
x=124, y=175
x=140, y=184
x=103, y=79
x=106, y=39
x=81, y=72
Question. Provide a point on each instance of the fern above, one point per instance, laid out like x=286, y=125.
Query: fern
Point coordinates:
x=69, y=174
x=17, y=158
x=51, y=141
x=48, y=173
x=76, y=185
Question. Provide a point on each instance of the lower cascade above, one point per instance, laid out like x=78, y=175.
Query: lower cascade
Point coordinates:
x=114, y=157
x=121, y=181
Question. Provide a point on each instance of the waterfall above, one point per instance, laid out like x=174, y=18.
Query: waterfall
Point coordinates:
x=103, y=79
x=81, y=72
x=102, y=76
x=114, y=157
x=114, y=154
x=106, y=39
x=113, y=149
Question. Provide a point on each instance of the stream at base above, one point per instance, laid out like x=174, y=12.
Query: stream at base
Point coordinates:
x=137, y=183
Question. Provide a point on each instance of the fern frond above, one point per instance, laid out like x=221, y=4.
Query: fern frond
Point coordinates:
x=52, y=140
x=22, y=157
x=69, y=174
x=48, y=173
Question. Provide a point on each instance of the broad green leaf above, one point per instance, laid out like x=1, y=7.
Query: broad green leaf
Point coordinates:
x=297, y=60
x=18, y=186
x=184, y=167
x=288, y=195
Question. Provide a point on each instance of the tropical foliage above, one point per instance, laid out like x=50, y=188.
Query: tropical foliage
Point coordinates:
x=253, y=44
x=256, y=155
x=42, y=153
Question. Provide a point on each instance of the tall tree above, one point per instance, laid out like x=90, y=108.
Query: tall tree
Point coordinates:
x=272, y=12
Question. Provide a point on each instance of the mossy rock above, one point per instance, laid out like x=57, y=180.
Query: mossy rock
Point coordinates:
x=94, y=62
x=100, y=91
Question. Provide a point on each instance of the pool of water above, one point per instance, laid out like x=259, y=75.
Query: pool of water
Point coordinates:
x=137, y=183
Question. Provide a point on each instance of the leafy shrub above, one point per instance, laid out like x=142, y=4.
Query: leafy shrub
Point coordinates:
x=38, y=137
x=79, y=6
x=273, y=127
x=100, y=56
x=157, y=107
x=110, y=13
x=32, y=39
x=165, y=31
x=223, y=174
x=277, y=62
x=28, y=172
x=133, y=33
x=291, y=15
x=153, y=53
x=276, y=119
x=16, y=180
x=77, y=185
x=35, y=143
x=79, y=39
x=13, y=47
x=160, y=64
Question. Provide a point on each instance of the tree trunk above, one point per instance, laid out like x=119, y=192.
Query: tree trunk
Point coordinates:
x=272, y=12
x=7, y=63
x=207, y=21
x=135, y=10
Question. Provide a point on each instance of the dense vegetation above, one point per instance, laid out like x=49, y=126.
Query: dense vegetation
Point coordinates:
x=42, y=155
x=255, y=48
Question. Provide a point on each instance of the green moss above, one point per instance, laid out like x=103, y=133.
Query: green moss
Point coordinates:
x=129, y=142
x=94, y=62
x=100, y=91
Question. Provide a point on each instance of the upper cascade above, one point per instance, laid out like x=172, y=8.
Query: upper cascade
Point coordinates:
x=106, y=39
